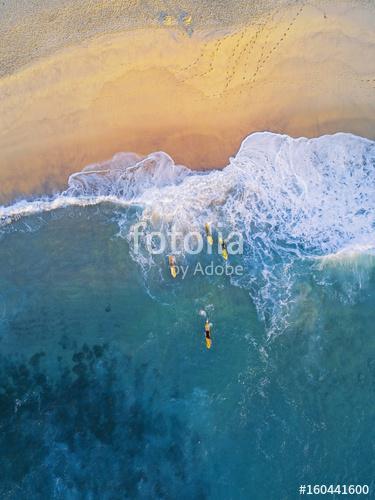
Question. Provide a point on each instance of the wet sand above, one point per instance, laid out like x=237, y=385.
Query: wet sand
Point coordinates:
x=301, y=69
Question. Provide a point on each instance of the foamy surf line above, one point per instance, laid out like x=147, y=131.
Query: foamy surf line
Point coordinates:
x=315, y=196
x=350, y=252
x=24, y=208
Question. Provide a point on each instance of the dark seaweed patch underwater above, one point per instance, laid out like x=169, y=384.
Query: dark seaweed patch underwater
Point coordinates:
x=94, y=430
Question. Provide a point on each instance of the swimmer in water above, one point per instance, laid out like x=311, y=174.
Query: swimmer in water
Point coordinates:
x=207, y=331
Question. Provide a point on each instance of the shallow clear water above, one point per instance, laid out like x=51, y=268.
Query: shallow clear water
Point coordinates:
x=107, y=389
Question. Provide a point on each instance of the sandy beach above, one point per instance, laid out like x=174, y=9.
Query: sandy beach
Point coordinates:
x=300, y=68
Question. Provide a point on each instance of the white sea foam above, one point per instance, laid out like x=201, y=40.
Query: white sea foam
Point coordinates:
x=291, y=198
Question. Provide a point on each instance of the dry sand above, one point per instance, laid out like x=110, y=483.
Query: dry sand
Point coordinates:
x=305, y=68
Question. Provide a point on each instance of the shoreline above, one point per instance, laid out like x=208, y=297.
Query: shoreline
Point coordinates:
x=195, y=97
x=32, y=203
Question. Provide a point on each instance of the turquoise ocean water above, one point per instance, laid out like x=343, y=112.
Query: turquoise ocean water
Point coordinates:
x=107, y=389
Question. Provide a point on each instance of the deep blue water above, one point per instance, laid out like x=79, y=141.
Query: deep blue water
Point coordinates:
x=108, y=393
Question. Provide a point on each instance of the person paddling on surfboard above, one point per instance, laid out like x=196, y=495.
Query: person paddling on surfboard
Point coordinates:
x=210, y=240
x=172, y=266
x=224, y=251
x=207, y=331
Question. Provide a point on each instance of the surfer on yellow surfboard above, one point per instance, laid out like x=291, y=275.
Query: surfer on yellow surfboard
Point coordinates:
x=207, y=331
x=210, y=240
x=224, y=251
x=172, y=266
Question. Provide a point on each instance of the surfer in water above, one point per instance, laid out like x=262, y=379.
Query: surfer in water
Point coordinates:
x=224, y=251
x=207, y=331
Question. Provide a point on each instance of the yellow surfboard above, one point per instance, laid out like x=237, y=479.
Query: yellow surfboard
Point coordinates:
x=210, y=240
x=224, y=251
x=172, y=266
x=207, y=326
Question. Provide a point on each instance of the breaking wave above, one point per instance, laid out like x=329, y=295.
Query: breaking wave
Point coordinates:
x=293, y=200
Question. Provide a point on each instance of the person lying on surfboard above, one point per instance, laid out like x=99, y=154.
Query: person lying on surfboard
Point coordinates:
x=207, y=331
x=224, y=251
x=172, y=266
x=208, y=234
